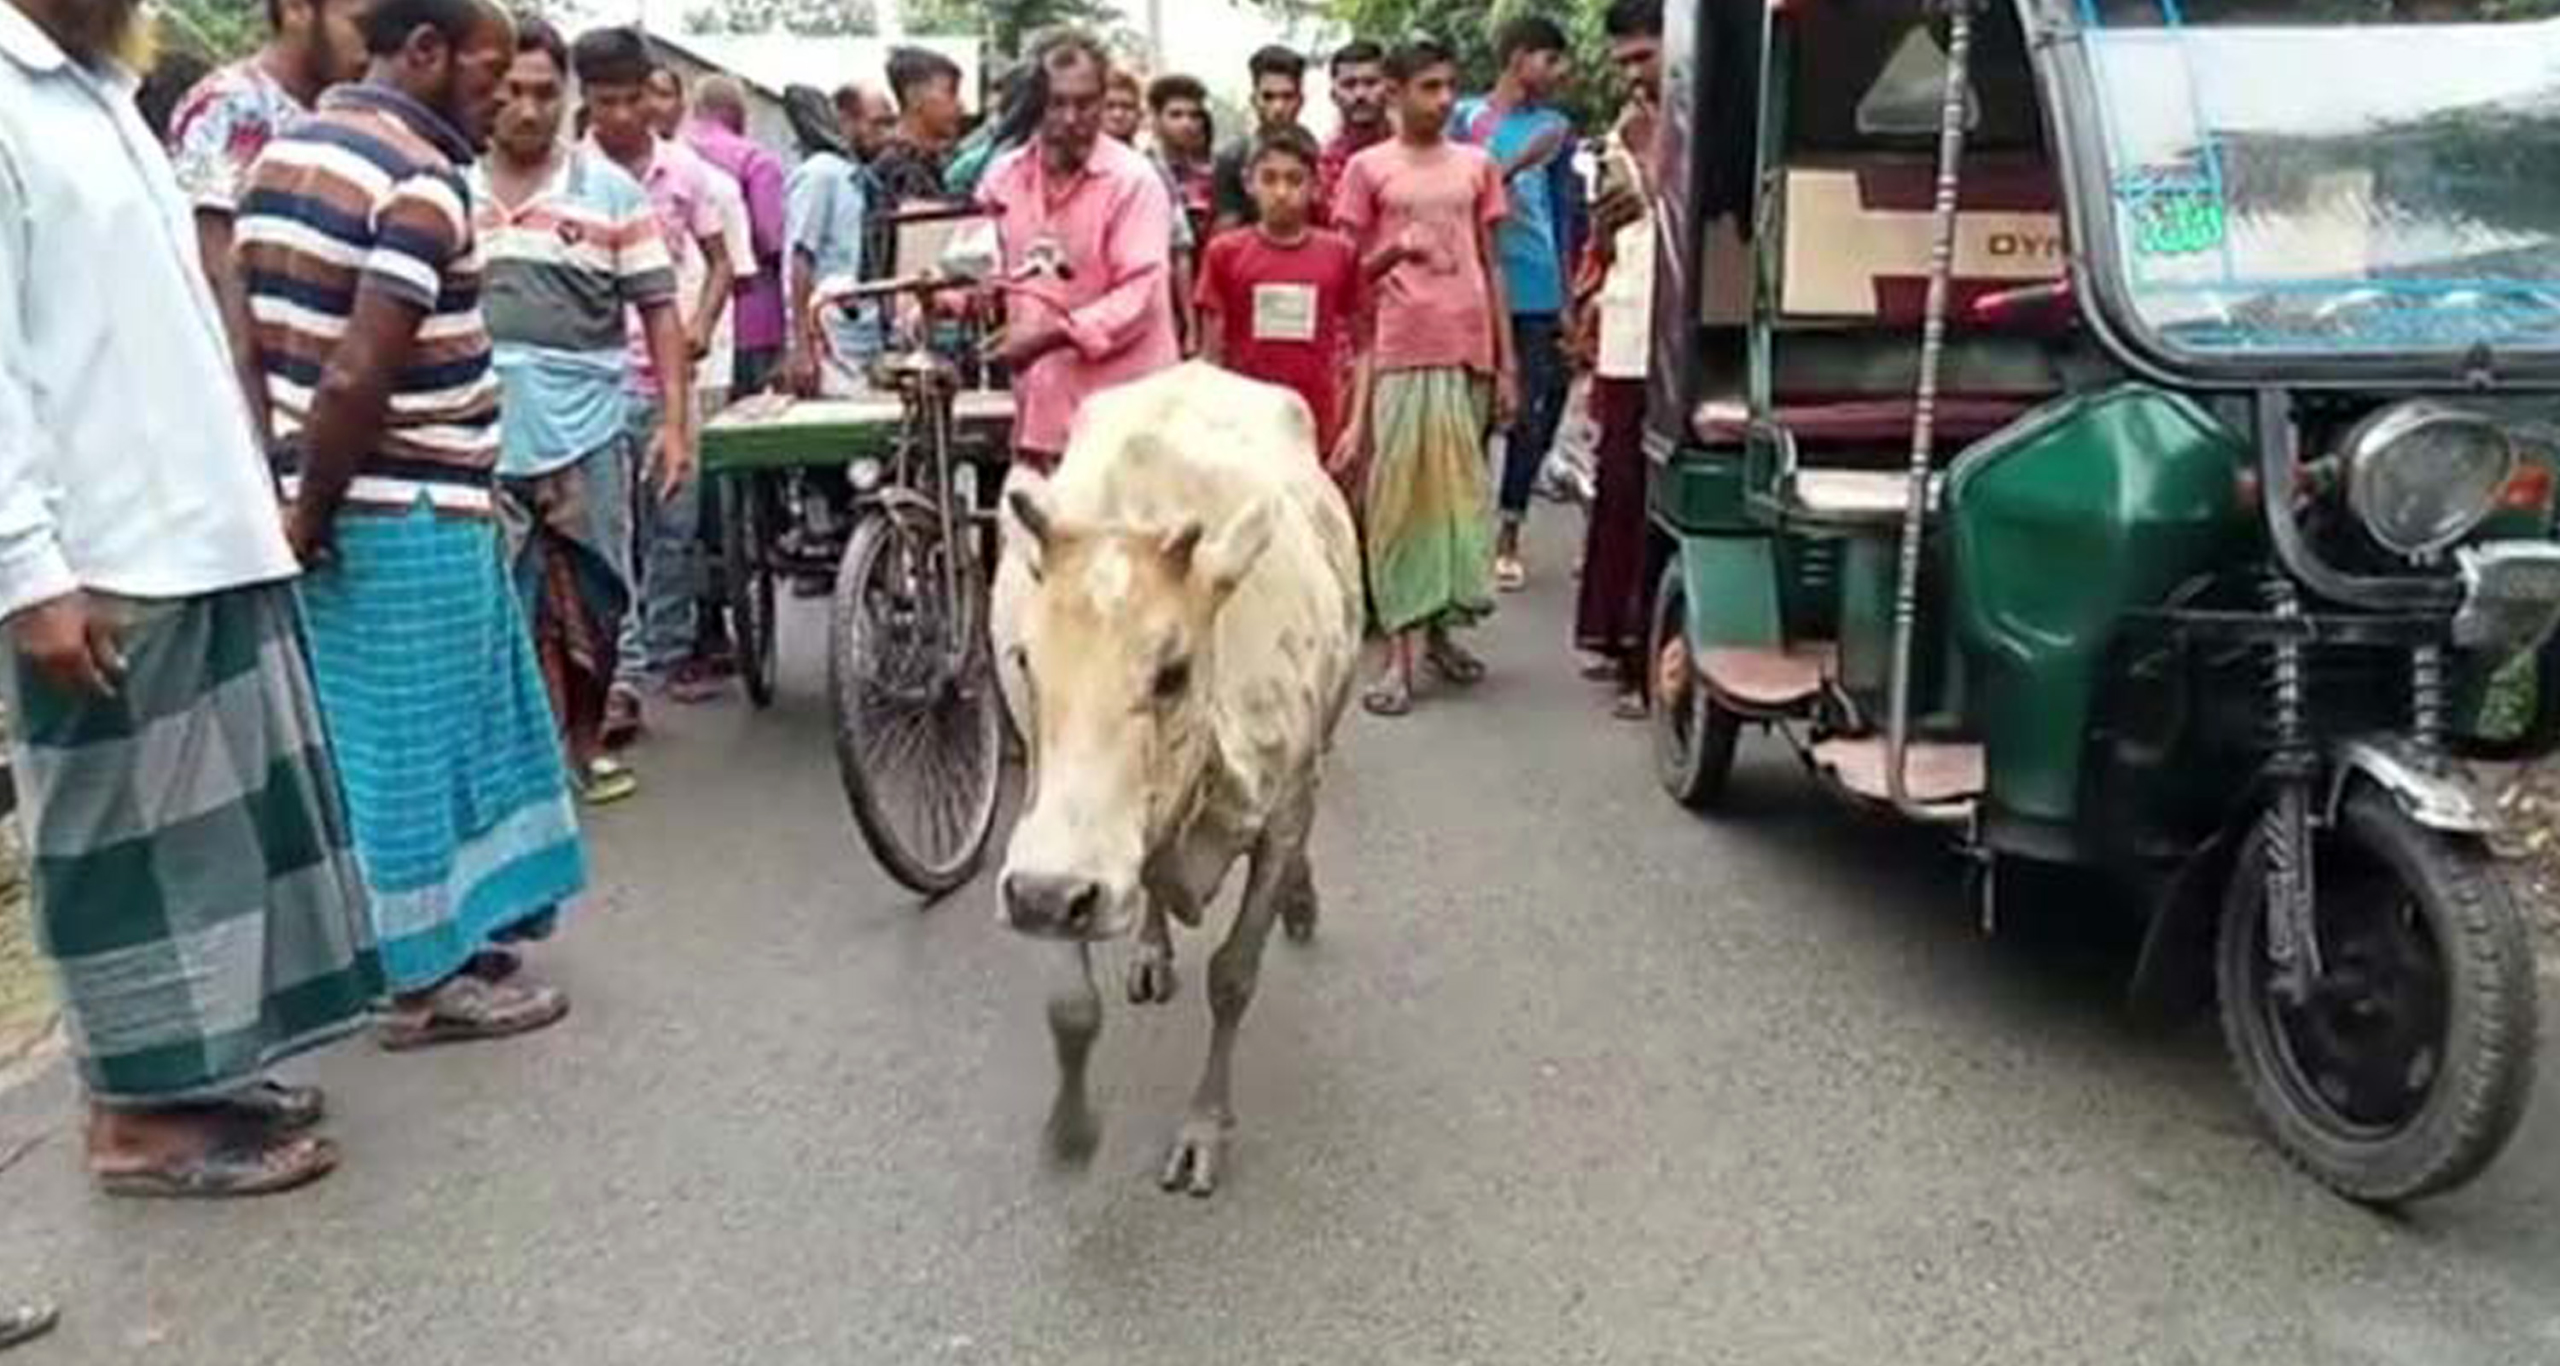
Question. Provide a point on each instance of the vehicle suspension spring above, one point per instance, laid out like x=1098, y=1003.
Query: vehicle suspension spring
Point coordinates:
x=2293, y=943
x=2428, y=690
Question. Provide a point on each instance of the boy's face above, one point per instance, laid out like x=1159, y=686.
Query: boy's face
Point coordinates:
x=1542, y=74
x=1283, y=186
x=618, y=116
x=935, y=109
x=1423, y=100
x=529, y=121
x=1183, y=127
x=1123, y=112
x=1277, y=100
x=666, y=102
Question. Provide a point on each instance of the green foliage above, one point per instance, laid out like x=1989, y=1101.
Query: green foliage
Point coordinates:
x=1469, y=26
x=807, y=18
x=215, y=30
x=1006, y=24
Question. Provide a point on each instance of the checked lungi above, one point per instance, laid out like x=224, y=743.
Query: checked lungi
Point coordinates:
x=195, y=884
x=445, y=738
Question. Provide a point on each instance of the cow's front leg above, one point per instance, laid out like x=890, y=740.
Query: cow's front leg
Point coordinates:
x=1075, y=1021
x=1199, y=1147
x=1151, y=976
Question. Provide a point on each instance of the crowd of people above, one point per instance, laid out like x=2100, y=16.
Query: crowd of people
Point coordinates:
x=349, y=523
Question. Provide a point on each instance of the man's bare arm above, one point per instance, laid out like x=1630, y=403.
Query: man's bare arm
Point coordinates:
x=347, y=410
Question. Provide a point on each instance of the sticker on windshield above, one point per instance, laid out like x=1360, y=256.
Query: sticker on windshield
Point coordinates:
x=2177, y=222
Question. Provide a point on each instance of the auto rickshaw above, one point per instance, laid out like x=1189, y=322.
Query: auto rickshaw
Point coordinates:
x=2122, y=433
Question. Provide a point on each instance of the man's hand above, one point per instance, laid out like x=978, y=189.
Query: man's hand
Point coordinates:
x=1506, y=397
x=72, y=644
x=311, y=534
x=799, y=373
x=1349, y=450
x=1026, y=344
x=671, y=455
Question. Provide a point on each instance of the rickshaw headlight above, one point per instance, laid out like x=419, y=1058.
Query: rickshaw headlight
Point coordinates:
x=865, y=475
x=2421, y=475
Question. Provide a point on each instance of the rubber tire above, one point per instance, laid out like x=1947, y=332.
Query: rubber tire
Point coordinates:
x=747, y=568
x=2488, y=1071
x=870, y=538
x=1695, y=767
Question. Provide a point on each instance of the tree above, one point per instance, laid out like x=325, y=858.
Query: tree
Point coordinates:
x=807, y=18
x=215, y=30
x=1006, y=24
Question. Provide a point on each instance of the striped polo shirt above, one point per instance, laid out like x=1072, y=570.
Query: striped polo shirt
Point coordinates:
x=370, y=190
x=563, y=266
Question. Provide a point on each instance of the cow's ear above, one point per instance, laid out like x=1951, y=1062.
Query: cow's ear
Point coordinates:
x=1028, y=500
x=1227, y=556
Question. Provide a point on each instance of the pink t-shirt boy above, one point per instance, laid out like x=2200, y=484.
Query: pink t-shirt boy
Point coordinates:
x=1111, y=221
x=1425, y=212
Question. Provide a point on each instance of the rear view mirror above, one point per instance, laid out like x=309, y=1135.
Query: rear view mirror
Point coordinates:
x=1906, y=100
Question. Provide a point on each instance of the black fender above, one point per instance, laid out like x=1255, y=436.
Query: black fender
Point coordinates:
x=2174, y=976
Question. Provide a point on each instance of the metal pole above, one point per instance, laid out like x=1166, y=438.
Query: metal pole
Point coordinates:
x=1155, y=35
x=1924, y=425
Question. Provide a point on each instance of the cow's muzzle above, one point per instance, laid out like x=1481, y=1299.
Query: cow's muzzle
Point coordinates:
x=1054, y=905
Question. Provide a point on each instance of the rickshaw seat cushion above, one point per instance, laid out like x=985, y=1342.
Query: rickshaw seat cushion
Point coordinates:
x=1861, y=422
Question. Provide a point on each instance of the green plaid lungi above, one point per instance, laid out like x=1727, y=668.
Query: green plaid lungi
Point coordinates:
x=194, y=883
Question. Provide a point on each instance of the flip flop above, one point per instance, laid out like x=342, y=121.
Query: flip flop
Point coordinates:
x=26, y=1323
x=468, y=1010
x=1509, y=574
x=1451, y=661
x=607, y=780
x=229, y=1172
x=1631, y=706
x=1388, y=697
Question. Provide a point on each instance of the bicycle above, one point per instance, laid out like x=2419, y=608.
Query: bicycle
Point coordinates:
x=919, y=717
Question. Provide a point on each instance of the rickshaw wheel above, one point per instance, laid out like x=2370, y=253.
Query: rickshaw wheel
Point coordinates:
x=2409, y=1067
x=1693, y=735
x=746, y=569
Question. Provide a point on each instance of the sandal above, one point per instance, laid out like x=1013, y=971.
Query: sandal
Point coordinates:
x=622, y=717
x=1451, y=661
x=273, y=1106
x=1509, y=574
x=607, y=780
x=1631, y=706
x=227, y=1172
x=26, y=1323
x=1390, y=696
x=468, y=1010
x=1598, y=669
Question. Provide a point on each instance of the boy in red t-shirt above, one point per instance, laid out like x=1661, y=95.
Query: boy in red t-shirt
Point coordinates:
x=1279, y=300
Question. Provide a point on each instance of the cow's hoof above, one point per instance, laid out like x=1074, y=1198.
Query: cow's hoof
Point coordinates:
x=1072, y=1134
x=1299, y=907
x=1151, y=977
x=1298, y=919
x=1199, y=1152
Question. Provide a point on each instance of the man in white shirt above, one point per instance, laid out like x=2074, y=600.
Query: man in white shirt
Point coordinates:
x=194, y=883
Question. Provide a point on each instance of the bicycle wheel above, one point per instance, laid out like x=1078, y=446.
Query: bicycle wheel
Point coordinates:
x=918, y=723
x=746, y=529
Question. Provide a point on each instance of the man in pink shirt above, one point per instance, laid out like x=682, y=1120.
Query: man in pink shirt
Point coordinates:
x=1102, y=210
x=718, y=132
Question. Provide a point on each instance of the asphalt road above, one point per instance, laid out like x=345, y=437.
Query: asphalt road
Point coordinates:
x=1570, y=1077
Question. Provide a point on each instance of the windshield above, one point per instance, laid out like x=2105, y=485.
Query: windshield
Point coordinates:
x=2357, y=186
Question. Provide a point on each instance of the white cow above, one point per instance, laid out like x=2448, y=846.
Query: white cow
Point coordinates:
x=1178, y=622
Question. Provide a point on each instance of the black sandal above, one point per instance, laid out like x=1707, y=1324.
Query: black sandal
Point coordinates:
x=1451, y=661
x=467, y=1010
x=1391, y=696
x=231, y=1171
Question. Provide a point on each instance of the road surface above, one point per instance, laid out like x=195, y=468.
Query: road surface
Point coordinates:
x=1570, y=1077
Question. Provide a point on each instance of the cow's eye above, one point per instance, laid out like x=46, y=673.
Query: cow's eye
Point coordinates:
x=1172, y=680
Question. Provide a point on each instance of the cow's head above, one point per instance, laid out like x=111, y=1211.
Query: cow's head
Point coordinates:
x=1113, y=657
